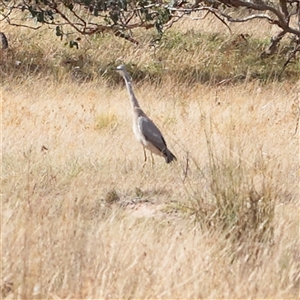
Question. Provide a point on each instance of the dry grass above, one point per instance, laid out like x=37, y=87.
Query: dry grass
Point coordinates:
x=191, y=52
x=82, y=219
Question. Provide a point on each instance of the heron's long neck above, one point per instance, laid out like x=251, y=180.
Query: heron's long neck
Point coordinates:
x=133, y=99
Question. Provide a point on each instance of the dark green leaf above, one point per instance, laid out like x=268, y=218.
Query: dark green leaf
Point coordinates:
x=70, y=6
x=58, y=31
x=40, y=17
x=73, y=44
x=114, y=15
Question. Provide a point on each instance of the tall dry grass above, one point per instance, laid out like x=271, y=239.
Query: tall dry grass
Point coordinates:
x=63, y=238
x=81, y=218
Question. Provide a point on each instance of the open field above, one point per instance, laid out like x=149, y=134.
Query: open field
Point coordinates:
x=82, y=219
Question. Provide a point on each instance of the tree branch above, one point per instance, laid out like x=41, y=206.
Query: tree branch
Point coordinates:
x=291, y=56
x=274, y=43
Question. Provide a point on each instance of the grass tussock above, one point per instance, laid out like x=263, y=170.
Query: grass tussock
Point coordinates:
x=83, y=218
x=106, y=121
x=239, y=199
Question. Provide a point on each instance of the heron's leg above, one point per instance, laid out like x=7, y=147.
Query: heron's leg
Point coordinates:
x=145, y=155
x=145, y=158
x=152, y=160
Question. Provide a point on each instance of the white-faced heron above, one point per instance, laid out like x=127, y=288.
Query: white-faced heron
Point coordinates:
x=144, y=129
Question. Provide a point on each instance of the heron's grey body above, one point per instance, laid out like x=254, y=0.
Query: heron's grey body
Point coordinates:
x=144, y=129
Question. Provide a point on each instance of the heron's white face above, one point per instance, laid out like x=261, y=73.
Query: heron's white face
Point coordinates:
x=121, y=69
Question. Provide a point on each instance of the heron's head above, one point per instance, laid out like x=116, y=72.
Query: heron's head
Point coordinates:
x=122, y=70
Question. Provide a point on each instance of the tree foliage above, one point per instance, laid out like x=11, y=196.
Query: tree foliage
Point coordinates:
x=121, y=17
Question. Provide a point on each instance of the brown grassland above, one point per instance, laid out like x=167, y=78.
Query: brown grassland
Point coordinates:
x=81, y=218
